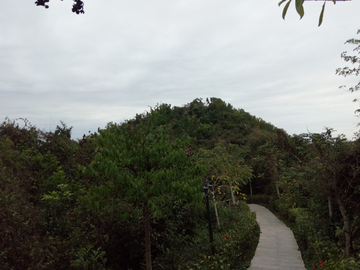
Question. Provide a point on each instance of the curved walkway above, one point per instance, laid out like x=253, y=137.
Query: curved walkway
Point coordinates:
x=277, y=248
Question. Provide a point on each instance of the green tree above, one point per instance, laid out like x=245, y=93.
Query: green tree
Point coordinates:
x=143, y=164
x=335, y=165
x=226, y=170
x=24, y=168
x=270, y=156
x=263, y=157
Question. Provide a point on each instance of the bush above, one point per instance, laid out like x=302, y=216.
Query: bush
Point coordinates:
x=234, y=243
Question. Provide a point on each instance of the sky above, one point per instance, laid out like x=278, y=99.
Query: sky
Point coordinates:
x=123, y=56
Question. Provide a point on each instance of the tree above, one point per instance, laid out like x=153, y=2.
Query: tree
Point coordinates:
x=264, y=157
x=299, y=6
x=226, y=170
x=270, y=158
x=354, y=60
x=336, y=167
x=142, y=163
x=30, y=169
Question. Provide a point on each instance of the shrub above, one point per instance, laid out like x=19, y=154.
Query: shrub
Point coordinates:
x=234, y=243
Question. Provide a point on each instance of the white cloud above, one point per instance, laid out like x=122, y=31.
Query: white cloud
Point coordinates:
x=122, y=56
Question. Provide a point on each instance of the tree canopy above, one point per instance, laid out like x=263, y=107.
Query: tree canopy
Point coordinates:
x=143, y=163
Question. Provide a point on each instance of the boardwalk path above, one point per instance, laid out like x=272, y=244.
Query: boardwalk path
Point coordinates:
x=277, y=248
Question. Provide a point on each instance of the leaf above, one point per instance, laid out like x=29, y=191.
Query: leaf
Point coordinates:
x=321, y=14
x=282, y=1
x=299, y=7
x=285, y=9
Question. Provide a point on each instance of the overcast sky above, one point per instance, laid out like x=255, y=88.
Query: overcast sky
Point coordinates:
x=123, y=56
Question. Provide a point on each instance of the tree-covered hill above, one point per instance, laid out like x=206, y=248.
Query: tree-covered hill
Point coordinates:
x=207, y=122
x=130, y=195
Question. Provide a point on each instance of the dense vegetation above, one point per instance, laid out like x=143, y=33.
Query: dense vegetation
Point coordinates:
x=130, y=190
x=316, y=190
x=130, y=195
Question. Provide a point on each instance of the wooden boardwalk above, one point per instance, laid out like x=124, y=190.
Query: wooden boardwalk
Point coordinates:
x=277, y=248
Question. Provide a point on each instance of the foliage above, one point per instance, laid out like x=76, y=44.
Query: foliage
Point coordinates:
x=213, y=121
x=142, y=163
x=299, y=6
x=21, y=220
x=85, y=204
x=327, y=175
x=78, y=5
x=235, y=243
x=32, y=230
x=338, y=180
x=225, y=167
x=90, y=259
x=354, y=60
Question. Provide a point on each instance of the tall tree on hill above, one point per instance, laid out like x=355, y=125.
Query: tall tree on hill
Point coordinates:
x=142, y=163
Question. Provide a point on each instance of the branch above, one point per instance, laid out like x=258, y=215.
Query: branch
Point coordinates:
x=78, y=6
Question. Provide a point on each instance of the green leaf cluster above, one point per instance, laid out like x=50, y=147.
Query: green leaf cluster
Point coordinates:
x=299, y=6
